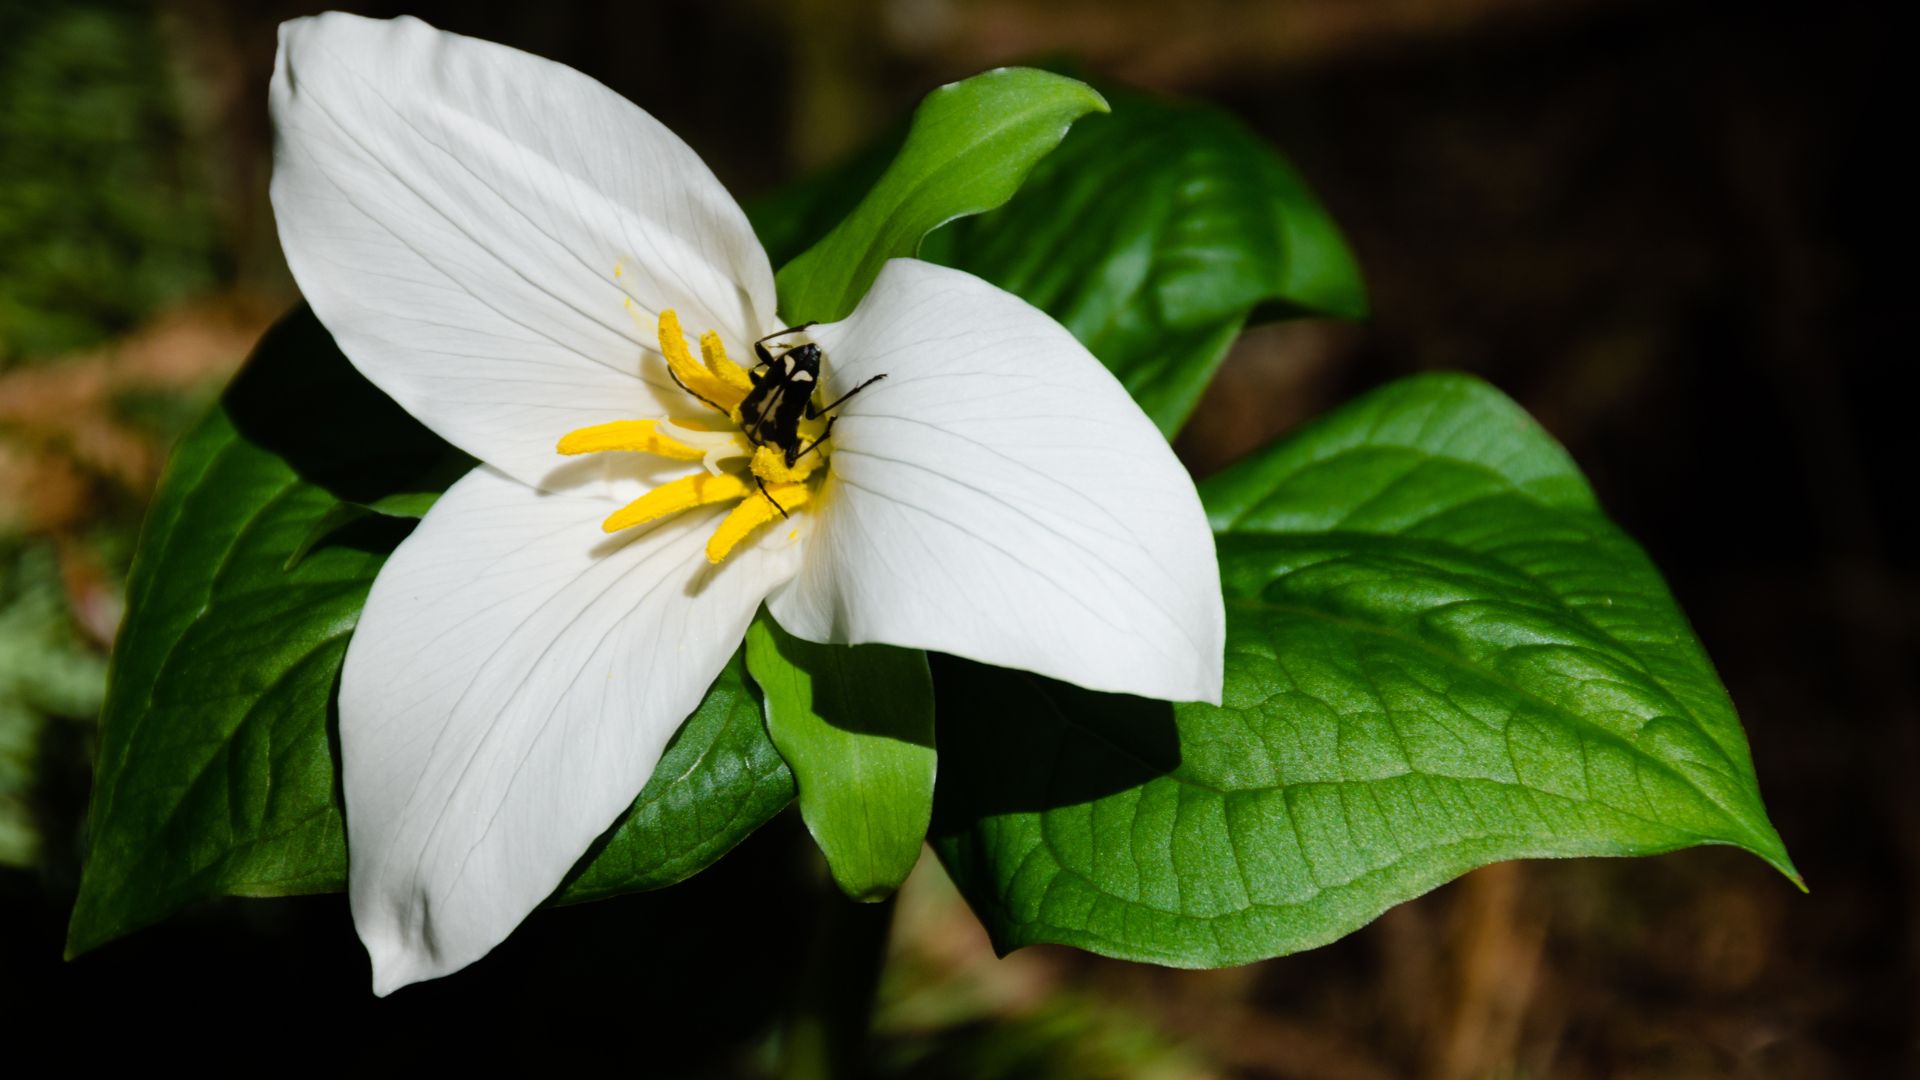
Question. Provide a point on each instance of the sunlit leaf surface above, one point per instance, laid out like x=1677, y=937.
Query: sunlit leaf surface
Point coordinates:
x=1440, y=654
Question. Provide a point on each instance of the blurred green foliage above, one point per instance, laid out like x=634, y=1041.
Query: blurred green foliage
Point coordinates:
x=1071, y=1036
x=104, y=215
x=47, y=674
x=105, y=219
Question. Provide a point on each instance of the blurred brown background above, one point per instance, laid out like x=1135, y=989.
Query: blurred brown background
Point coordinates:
x=1666, y=228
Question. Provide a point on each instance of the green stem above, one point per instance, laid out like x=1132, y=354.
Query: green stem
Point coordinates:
x=825, y=1037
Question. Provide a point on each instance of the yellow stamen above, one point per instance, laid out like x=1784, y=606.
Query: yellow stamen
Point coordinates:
x=767, y=488
x=693, y=375
x=714, y=352
x=771, y=466
x=641, y=435
x=686, y=493
x=752, y=514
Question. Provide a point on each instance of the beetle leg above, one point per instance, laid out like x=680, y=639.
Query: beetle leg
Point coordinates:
x=828, y=430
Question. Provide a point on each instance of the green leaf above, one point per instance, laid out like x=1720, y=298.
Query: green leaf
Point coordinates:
x=793, y=217
x=970, y=145
x=1440, y=654
x=302, y=402
x=217, y=774
x=1152, y=234
x=856, y=726
x=411, y=504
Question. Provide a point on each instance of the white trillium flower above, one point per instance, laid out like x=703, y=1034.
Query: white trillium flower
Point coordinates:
x=510, y=250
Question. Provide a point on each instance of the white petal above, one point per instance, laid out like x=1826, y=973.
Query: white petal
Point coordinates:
x=454, y=210
x=512, y=682
x=1000, y=497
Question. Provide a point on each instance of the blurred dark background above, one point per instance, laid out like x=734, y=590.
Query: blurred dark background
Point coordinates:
x=1667, y=228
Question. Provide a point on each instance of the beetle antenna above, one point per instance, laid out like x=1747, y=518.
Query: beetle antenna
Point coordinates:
x=675, y=376
x=783, y=333
x=843, y=397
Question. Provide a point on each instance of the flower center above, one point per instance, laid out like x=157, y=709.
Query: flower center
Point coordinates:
x=773, y=435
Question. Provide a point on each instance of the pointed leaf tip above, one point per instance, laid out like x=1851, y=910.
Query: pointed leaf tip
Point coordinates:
x=855, y=724
x=970, y=146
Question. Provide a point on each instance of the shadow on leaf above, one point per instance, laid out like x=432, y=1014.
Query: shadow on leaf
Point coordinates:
x=300, y=398
x=860, y=689
x=1013, y=742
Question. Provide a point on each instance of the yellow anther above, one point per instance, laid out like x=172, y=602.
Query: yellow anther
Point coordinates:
x=700, y=489
x=770, y=465
x=752, y=514
x=768, y=488
x=714, y=352
x=641, y=435
x=693, y=375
